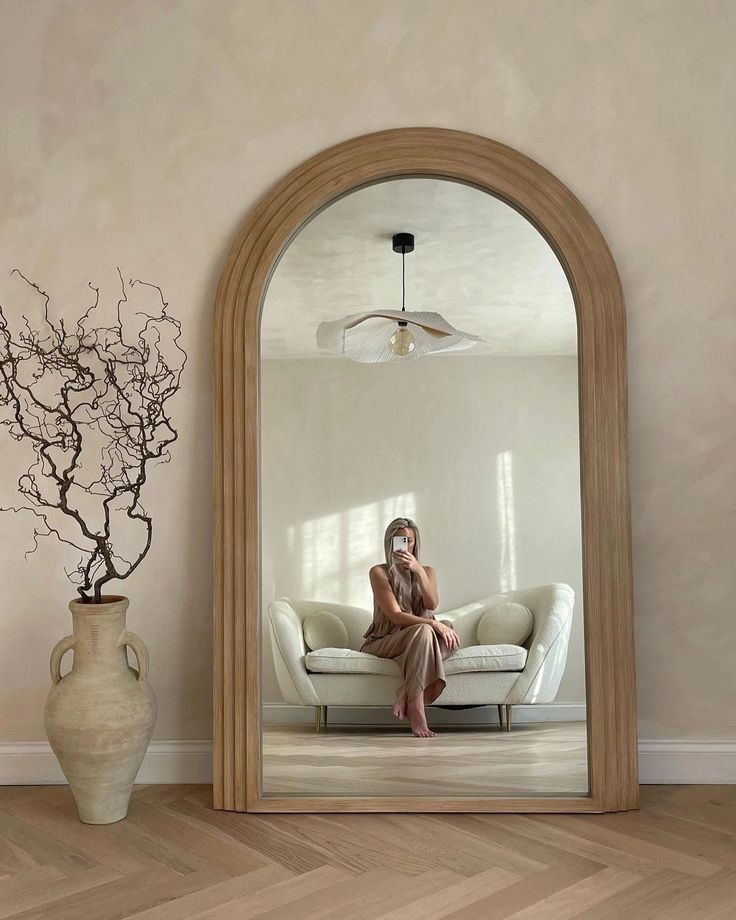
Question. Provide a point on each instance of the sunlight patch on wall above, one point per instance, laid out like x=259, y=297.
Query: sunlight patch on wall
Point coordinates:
x=506, y=521
x=338, y=549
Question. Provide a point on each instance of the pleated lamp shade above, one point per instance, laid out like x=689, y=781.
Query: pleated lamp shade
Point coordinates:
x=390, y=336
x=366, y=337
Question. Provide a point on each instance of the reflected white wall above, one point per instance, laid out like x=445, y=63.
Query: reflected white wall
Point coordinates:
x=482, y=452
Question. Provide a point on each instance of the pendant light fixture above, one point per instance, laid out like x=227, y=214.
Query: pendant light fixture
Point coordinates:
x=389, y=336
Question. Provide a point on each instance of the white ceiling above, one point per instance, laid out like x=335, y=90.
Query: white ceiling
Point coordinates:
x=477, y=261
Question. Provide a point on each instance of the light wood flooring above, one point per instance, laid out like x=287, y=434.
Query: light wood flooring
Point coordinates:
x=534, y=758
x=175, y=858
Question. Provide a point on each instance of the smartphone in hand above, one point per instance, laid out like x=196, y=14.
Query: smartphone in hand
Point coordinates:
x=401, y=543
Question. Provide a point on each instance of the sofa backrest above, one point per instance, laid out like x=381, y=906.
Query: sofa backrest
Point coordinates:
x=540, y=600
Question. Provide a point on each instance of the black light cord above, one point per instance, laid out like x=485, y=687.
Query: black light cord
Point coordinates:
x=403, y=278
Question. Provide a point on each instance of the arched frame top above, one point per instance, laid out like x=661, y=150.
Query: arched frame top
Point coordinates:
x=606, y=533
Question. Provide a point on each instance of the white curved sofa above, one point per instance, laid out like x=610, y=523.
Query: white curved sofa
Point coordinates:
x=504, y=675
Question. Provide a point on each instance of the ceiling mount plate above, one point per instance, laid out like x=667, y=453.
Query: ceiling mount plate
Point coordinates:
x=403, y=242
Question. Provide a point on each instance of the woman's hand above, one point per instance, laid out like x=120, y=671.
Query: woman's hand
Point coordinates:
x=446, y=634
x=406, y=561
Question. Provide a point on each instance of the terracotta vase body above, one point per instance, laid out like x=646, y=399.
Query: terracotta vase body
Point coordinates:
x=99, y=717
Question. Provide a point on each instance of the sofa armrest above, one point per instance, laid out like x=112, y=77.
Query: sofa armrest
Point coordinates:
x=287, y=642
x=545, y=664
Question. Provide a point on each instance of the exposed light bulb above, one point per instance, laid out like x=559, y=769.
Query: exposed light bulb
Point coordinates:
x=401, y=342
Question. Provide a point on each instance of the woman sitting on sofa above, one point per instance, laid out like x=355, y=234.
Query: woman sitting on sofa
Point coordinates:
x=403, y=628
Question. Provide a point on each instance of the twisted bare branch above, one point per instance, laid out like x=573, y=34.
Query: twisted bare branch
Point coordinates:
x=93, y=397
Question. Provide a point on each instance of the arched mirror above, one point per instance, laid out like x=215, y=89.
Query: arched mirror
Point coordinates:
x=472, y=449
x=422, y=573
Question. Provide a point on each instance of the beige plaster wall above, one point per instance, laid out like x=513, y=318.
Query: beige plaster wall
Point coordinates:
x=139, y=133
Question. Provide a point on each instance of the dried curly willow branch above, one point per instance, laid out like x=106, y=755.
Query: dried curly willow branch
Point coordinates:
x=99, y=390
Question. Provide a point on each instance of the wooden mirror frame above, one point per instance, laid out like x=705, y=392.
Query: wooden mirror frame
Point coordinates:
x=606, y=535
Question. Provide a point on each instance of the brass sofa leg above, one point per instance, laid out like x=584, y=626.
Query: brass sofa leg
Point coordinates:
x=508, y=717
x=500, y=717
x=324, y=710
x=317, y=717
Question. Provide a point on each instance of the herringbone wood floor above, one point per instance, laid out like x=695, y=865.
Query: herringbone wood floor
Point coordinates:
x=174, y=858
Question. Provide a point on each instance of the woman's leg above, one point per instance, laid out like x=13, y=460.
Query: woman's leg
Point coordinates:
x=388, y=647
x=432, y=691
x=418, y=718
x=400, y=704
x=419, y=652
x=415, y=707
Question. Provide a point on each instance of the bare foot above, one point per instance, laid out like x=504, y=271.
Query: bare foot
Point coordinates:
x=400, y=704
x=423, y=733
x=418, y=720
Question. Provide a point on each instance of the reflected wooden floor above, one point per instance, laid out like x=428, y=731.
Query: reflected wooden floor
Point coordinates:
x=535, y=758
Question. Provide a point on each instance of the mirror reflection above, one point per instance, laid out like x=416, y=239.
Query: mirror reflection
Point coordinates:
x=421, y=564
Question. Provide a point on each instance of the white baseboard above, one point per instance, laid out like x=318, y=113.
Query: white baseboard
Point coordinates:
x=33, y=763
x=280, y=713
x=686, y=761
x=660, y=761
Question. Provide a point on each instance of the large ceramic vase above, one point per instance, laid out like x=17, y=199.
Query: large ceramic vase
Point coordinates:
x=99, y=717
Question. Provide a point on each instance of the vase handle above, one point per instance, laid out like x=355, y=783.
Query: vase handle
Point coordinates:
x=57, y=653
x=141, y=652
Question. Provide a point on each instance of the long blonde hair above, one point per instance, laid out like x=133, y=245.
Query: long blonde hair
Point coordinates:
x=404, y=584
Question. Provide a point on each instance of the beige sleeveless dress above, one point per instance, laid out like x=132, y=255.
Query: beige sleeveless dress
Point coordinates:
x=416, y=648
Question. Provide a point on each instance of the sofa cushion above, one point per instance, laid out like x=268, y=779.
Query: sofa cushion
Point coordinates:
x=472, y=658
x=498, y=657
x=506, y=623
x=324, y=630
x=348, y=661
